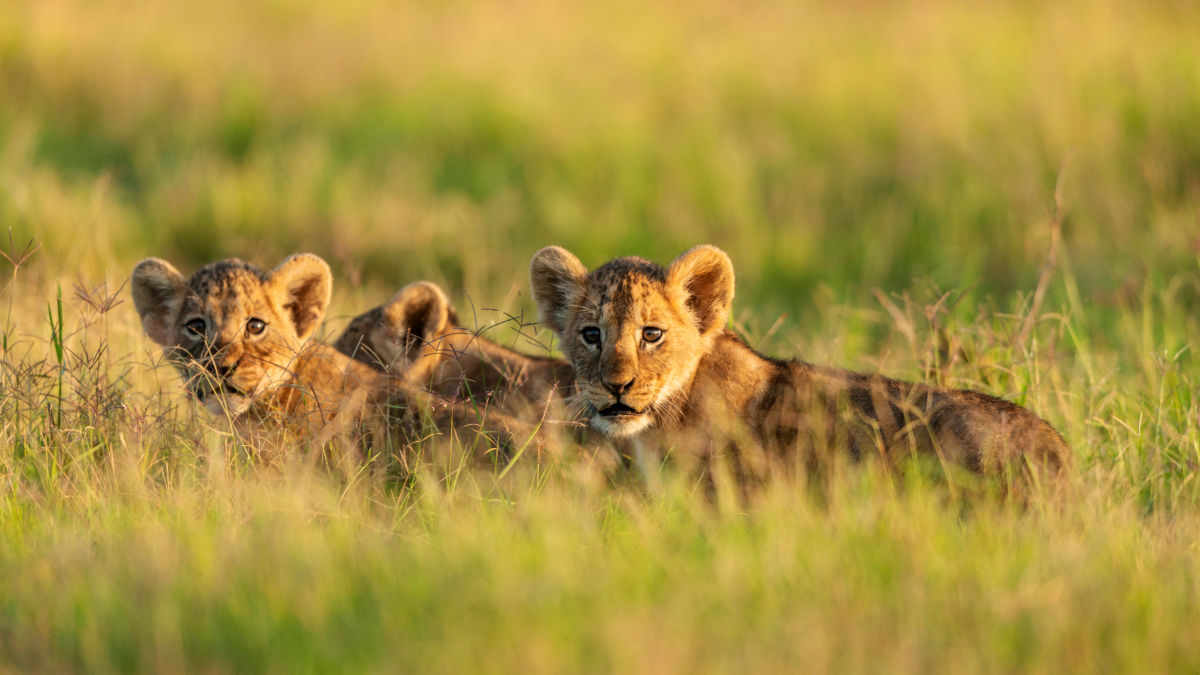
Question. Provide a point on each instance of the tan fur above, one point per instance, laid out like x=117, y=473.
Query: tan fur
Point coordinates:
x=269, y=374
x=416, y=335
x=701, y=389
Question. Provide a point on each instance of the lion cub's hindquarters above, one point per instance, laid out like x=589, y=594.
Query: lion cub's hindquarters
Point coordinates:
x=652, y=356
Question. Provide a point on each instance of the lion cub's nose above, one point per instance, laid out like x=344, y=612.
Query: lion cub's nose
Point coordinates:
x=224, y=367
x=618, y=388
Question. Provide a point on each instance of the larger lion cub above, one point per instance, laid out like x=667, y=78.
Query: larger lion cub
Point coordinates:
x=652, y=354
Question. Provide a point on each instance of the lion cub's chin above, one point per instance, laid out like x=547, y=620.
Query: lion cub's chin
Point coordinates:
x=226, y=404
x=621, y=426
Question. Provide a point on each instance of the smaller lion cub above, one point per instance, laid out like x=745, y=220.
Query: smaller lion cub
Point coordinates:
x=652, y=356
x=416, y=335
x=241, y=339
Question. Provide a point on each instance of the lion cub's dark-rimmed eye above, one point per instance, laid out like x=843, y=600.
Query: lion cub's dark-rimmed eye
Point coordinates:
x=591, y=335
x=255, y=326
x=652, y=334
x=196, y=327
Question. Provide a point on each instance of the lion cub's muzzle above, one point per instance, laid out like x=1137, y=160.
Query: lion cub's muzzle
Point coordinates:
x=217, y=381
x=217, y=394
x=619, y=410
x=620, y=419
x=206, y=387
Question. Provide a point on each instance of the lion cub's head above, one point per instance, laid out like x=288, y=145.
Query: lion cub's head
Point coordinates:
x=232, y=329
x=633, y=330
x=402, y=334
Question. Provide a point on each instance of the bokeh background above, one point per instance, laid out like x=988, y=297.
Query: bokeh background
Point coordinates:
x=844, y=146
x=890, y=179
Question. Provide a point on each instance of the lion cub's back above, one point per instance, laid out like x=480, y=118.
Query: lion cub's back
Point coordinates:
x=1005, y=434
x=872, y=413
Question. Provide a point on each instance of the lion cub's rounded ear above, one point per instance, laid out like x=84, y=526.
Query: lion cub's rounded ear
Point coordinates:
x=420, y=310
x=556, y=277
x=704, y=278
x=303, y=283
x=158, y=290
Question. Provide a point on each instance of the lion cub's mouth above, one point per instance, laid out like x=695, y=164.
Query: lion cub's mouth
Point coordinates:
x=618, y=410
x=224, y=400
x=220, y=389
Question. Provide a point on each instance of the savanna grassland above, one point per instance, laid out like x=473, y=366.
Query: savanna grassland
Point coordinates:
x=894, y=183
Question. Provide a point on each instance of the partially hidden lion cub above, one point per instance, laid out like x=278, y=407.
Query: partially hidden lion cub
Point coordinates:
x=241, y=338
x=416, y=335
x=654, y=362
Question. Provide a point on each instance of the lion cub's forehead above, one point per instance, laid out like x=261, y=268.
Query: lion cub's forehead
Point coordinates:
x=226, y=287
x=625, y=287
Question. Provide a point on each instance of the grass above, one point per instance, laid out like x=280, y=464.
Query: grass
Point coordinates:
x=884, y=177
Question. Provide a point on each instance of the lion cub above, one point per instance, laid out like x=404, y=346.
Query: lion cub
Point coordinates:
x=652, y=355
x=416, y=335
x=240, y=337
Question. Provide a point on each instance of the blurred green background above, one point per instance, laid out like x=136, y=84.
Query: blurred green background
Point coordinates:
x=845, y=145
x=883, y=175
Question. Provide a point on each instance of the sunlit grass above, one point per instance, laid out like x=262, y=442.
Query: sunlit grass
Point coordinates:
x=883, y=176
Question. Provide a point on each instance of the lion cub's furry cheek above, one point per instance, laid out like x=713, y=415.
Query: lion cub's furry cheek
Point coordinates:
x=679, y=379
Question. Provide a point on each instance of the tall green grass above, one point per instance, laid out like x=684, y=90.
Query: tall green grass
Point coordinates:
x=883, y=176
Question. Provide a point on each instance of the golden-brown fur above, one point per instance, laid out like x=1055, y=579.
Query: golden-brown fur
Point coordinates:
x=652, y=356
x=416, y=335
x=240, y=337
